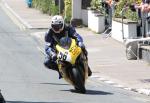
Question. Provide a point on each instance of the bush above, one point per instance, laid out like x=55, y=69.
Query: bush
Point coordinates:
x=97, y=5
x=68, y=10
x=46, y=6
x=49, y=7
x=128, y=14
x=53, y=10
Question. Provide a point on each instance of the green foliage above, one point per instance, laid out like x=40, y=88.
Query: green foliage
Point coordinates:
x=68, y=10
x=128, y=14
x=97, y=5
x=46, y=6
x=53, y=10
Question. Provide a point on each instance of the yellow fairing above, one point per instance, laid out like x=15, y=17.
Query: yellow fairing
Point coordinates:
x=70, y=54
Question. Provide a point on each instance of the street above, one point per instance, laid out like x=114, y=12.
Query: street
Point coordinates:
x=24, y=79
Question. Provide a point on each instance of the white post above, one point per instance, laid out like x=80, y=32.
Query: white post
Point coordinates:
x=76, y=9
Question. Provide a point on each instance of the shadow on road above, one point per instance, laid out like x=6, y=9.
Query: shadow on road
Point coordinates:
x=55, y=83
x=91, y=92
x=95, y=92
x=145, y=80
x=32, y=102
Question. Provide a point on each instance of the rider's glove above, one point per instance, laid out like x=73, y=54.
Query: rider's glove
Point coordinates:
x=80, y=44
x=52, y=54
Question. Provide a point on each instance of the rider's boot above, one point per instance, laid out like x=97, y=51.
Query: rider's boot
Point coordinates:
x=53, y=66
x=60, y=76
x=89, y=71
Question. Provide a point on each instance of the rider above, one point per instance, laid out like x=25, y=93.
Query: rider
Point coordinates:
x=58, y=30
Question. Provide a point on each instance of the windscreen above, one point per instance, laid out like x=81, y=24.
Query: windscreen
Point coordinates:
x=65, y=42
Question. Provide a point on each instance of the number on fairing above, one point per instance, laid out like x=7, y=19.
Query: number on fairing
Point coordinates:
x=62, y=56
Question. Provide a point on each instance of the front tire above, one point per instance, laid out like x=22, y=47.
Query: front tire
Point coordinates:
x=78, y=80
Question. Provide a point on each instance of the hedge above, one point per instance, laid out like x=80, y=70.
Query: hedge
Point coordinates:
x=49, y=7
x=46, y=6
x=68, y=10
x=128, y=14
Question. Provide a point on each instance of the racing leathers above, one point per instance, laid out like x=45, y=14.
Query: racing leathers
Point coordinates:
x=52, y=38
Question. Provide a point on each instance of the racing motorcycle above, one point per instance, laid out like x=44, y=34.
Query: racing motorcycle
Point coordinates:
x=72, y=63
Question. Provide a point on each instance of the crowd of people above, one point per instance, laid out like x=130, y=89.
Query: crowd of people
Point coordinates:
x=142, y=7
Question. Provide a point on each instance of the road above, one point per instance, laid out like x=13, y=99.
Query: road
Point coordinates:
x=24, y=79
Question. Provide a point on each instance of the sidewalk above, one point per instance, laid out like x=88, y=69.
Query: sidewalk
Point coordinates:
x=107, y=57
x=30, y=18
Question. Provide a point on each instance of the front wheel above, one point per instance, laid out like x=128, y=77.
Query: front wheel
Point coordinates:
x=78, y=80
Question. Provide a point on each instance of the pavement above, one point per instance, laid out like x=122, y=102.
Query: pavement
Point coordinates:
x=107, y=57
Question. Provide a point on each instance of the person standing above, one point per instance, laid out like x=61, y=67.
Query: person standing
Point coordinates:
x=110, y=9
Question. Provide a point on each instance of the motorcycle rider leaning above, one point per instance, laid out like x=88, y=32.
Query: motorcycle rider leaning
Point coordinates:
x=58, y=30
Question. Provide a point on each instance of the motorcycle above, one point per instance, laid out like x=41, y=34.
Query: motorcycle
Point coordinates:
x=72, y=63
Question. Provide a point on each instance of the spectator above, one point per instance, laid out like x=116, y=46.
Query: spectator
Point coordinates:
x=143, y=9
x=112, y=4
x=144, y=6
x=110, y=7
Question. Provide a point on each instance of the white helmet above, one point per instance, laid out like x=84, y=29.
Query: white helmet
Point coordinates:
x=57, y=23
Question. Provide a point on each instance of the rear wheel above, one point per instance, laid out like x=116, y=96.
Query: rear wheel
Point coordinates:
x=78, y=81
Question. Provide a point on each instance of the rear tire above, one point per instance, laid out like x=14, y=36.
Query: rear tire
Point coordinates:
x=78, y=81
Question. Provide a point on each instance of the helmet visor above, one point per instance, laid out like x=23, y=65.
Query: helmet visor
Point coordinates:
x=57, y=27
